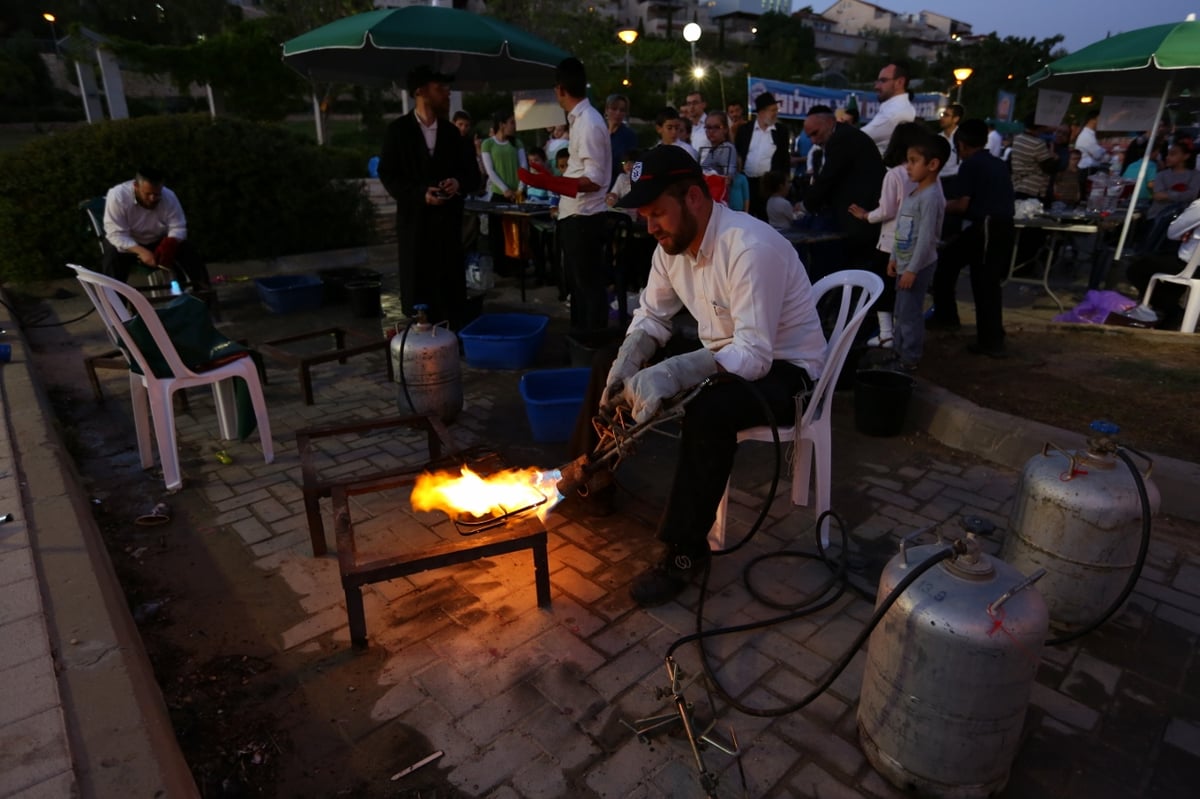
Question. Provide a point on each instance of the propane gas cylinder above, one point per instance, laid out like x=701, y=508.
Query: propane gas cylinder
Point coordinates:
x=425, y=363
x=949, y=672
x=1078, y=516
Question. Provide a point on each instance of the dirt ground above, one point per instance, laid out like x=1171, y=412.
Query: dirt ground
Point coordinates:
x=1146, y=383
x=207, y=616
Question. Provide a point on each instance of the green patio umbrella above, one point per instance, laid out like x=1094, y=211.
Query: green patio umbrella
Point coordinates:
x=1148, y=62
x=1134, y=64
x=379, y=47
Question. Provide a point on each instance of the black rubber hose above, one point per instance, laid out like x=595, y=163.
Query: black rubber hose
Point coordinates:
x=836, y=670
x=400, y=366
x=1143, y=549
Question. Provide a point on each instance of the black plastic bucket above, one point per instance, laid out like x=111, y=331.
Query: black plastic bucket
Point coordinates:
x=364, y=298
x=582, y=347
x=337, y=277
x=881, y=401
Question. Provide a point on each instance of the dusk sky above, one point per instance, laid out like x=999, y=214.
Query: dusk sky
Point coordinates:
x=1080, y=21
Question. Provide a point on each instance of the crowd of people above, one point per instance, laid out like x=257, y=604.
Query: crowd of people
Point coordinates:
x=914, y=201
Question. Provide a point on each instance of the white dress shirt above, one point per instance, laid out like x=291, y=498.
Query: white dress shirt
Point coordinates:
x=758, y=154
x=891, y=113
x=1087, y=143
x=128, y=224
x=950, y=169
x=700, y=135
x=590, y=157
x=748, y=292
x=995, y=143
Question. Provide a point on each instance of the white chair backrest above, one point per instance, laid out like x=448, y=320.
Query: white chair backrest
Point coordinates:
x=106, y=294
x=859, y=290
x=1189, y=268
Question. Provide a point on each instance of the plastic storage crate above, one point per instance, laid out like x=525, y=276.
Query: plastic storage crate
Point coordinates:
x=288, y=293
x=553, y=398
x=504, y=340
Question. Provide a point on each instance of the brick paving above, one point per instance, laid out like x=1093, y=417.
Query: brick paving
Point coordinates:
x=532, y=703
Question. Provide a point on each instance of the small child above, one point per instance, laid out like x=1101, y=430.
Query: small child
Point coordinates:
x=671, y=130
x=779, y=209
x=537, y=163
x=561, y=158
x=914, y=256
x=1068, y=184
x=622, y=185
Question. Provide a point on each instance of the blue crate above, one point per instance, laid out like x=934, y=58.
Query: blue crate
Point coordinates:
x=553, y=398
x=289, y=293
x=504, y=340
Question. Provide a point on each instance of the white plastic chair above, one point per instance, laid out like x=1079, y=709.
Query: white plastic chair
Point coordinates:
x=815, y=442
x=152, y=396
x=1191, y=285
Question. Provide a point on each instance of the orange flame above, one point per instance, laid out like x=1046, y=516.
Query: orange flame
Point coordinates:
x=494, y=495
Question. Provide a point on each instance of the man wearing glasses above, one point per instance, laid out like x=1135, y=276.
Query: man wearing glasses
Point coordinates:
x=894, y=106
x=622, y=137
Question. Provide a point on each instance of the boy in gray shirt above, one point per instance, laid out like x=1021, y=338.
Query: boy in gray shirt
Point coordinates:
x=918, y=228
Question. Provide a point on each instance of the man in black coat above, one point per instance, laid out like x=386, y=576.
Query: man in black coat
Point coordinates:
x=851, y=173
x=762, y=145
x=428, y=166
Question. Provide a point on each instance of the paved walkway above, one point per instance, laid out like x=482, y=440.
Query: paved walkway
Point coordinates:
x=532, y=703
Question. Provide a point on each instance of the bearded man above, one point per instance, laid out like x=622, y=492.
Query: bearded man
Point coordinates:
x=753, y=303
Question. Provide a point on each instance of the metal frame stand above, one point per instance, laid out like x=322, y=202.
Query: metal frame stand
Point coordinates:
x=684, y=715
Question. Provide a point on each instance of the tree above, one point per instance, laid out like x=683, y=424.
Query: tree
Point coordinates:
x=783, y=48
x=241, y=63
x=999, y=65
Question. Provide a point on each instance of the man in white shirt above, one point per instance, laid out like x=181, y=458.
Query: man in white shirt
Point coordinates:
x=144, y=222
x=696, y=110
x=1167, y=296
x=1095, y=157
x=894, y=106
x=581, y=217
x=995, y=142
x=756, y=317
x=763, y=147
x=948, y=122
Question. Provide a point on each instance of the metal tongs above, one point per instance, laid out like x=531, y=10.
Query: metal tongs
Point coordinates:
x=618, y=433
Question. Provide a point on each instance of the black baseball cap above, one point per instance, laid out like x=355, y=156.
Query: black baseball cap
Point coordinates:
x=423, y=76
x=657, y=169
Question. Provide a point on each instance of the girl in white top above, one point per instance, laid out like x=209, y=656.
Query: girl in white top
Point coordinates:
x=896, y=186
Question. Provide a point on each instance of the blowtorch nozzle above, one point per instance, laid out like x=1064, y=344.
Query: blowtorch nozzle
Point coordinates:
x=575, y=475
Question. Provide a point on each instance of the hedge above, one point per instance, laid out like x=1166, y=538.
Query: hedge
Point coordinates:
x=249, y=190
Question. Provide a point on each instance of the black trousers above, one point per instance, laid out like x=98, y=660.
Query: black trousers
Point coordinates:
x=758, y=201
x=581, y=239
x=985, y=247
x=708, y=442
x=189, y=267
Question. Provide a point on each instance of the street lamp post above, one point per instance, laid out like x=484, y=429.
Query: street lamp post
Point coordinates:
x=960, y=75
x=691, y=35
x=699, y=72
x=53, y=33
x=628, y=36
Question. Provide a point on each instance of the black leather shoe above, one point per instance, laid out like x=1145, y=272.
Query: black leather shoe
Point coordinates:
x=665, y=581
x=975, y=348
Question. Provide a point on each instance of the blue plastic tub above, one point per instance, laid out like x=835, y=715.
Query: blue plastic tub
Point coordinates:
x=504, y=340
x=289, y=293
x=553, y=398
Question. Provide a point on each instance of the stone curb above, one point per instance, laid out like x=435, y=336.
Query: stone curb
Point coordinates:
x=118, y=731
x=1011, y=441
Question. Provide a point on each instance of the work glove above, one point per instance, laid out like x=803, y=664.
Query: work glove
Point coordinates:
x=637, y=348
x=646, y=390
